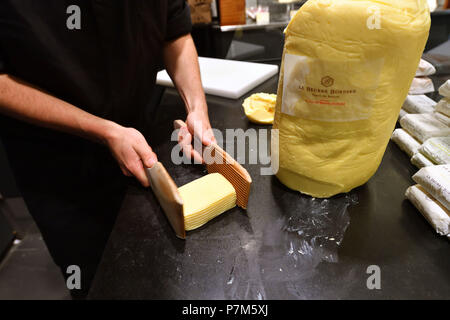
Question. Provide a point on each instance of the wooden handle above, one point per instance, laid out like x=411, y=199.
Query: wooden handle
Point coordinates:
x=178, y=124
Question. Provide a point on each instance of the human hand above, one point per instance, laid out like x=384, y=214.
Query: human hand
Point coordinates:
x=132, y=152
x=198, y=126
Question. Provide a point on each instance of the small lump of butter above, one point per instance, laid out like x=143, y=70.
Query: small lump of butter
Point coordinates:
x=260, y=107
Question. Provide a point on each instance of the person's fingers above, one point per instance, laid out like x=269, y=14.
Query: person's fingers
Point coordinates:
x=137, y=169
x=208, y=137
x=197, y=157
x=145, y=152
x=185, y=141
x=125, y=171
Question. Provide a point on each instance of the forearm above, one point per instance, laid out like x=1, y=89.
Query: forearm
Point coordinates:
x=24, y=102
x=181, y=60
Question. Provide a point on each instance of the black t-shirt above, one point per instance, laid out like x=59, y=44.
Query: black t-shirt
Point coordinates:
x=107, y=67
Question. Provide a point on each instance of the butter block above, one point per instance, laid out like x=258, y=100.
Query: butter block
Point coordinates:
x=405, y=141
x=437, y=215
x=436, y=181
x=421, y=85
x=437, y=149
x=442, y=118
x=206, y=198
x=260, y=107
x=444, y=90
x=418, y=104
x=425, y=69
x=402, y=114
x=347, y=68
x=423, y=126
x=443, y=106
x=420, y=160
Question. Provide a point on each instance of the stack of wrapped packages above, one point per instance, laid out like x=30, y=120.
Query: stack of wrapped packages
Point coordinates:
x=425, y=137
x=431, y=196
x=425, y=129
x=417, y=101
x=421, y=83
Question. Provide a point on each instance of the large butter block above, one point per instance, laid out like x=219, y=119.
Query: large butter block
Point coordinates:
x=205, y=199
x=346, y=71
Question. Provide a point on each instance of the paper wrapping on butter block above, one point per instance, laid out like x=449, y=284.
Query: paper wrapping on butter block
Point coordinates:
x=418, y=104
x=437, y=149
x=421, y=85
x=442, y=118
x=405, y=141
x=402, y=114
x=346, y=70
x=444, y=90
x=443, y=106
x=432, y=210
x=425, y=69
x=436, y=181
x=423, y=126
x=420, y=160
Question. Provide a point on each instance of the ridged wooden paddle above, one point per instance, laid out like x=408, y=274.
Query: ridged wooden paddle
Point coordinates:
x=169, y=198
x=224, y=164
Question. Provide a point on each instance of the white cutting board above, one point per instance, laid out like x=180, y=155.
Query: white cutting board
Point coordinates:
x=227, y=78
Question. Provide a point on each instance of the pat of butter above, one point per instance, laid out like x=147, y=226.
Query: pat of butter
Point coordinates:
x=260, y=107
x=205, y=199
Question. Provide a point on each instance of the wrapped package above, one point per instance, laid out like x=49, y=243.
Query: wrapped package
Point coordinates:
x=345, y=74
x=421, y=85
x=443, y=106
x=436, y=181
x=444, y=90
x=402, y=114
x=420, y=161
x=424, y=126
x=437, y=149
x=437, y=215
x=405, y=141
x=418, y=104
x=442, y=118
x=425, y=69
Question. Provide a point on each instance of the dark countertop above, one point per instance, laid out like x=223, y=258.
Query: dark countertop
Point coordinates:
x=285, y=246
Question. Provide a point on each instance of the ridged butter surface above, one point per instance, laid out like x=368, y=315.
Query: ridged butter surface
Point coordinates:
x=205, y=199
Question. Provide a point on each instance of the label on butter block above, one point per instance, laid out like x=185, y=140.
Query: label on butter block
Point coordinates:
x=324, y=90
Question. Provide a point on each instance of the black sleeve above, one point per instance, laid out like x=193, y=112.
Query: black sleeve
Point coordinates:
x=178, y=19
x=2, y=63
